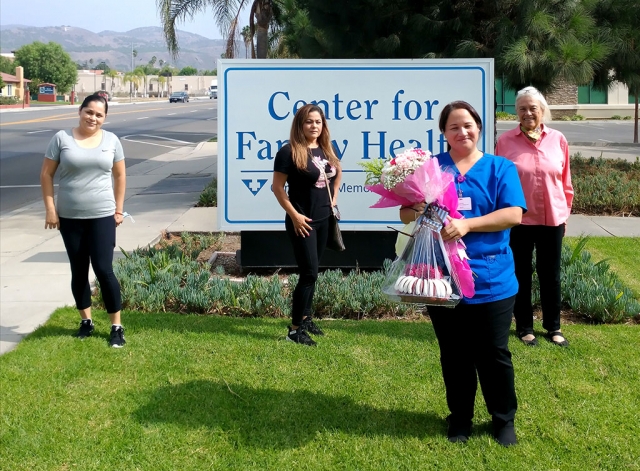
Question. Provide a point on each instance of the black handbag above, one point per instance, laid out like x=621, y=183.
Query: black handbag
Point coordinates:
x=334, y=238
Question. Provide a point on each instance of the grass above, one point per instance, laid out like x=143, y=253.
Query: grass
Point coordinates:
x=49, y=103
x=622, y=255
x=198, y=392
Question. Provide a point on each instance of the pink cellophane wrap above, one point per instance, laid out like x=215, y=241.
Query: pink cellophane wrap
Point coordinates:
x=430, y=184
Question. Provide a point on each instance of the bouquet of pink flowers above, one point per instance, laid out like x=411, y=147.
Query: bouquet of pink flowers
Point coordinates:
x=428, y=270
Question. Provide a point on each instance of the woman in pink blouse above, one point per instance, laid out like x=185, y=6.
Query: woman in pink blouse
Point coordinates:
x=541, y=155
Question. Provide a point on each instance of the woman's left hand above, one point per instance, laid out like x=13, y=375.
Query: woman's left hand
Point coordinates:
x=119, y=218
x=455, y=229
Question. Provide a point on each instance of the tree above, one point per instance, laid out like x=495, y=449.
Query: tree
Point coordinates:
x=188, y=70
x=547, y=41
x=142, y=78
x=2, y=84
x=152, y=61
x=161, y=63
x=619, y=19
x=162, y=81
x=248, y=40
x=534, y=42
x=134, y=81
x=7, y=65
x=112, y=74
x=262, y=15
x=102, y=66
x=48, y=63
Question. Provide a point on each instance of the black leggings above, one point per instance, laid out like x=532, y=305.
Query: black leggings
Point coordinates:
x=92, y=240
x=307, y=252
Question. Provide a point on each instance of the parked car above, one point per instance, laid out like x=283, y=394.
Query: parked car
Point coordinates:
x=179, y=96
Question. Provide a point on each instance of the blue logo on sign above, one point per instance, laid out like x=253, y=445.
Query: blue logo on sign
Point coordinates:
x=249, y=184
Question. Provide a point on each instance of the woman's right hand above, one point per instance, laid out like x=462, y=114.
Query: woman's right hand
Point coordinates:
x=300, y=225
x=51, y=220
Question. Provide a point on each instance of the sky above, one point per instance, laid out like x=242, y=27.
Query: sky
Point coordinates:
x=115, y=15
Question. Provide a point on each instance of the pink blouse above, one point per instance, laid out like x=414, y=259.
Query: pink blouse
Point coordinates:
x=544, y=172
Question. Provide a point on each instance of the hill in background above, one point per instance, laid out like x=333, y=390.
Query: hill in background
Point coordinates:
x=114, y=48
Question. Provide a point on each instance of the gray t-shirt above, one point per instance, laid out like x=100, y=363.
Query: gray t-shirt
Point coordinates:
x=86, y=187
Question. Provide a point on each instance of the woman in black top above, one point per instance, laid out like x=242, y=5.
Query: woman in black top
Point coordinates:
x=306, y=164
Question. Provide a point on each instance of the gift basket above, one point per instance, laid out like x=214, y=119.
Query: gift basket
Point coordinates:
x=428, y=270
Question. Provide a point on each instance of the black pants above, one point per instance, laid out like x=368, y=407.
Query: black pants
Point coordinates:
x=474, y=339
x=92, y=240
x=547, y=240
x=307, y=252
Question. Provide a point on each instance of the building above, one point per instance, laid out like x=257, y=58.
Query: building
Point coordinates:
x=91, y=81
x=14, y=85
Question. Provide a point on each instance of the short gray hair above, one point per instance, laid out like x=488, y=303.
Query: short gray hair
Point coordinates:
x=536, y=95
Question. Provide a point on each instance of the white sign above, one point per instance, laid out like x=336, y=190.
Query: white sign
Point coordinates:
x=374, y=108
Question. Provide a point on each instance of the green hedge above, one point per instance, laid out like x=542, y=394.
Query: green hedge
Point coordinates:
x=605, y=186
x=9, y=100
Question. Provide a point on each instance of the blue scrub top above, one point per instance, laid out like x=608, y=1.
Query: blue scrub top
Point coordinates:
x=492, y=183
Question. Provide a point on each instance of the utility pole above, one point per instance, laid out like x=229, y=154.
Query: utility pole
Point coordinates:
x=131, y=83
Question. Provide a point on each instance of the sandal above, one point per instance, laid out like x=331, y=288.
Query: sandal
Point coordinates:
x=556, y=333
x=529, y=343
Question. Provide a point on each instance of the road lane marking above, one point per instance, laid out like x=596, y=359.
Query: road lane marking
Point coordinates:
x=36, y=132
x=128, y=139
x=171, y=114
x=194, y=111
x=144, y=117
x=604, y=140
x=21, y=186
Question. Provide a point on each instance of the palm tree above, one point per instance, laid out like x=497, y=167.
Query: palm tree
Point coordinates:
x=248, y=39
x=112, y=74
x=226, y=13
x=134, y=80
x=162, y=80
x=142, y=78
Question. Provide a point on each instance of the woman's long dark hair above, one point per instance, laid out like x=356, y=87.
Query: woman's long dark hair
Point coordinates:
x=298, y=141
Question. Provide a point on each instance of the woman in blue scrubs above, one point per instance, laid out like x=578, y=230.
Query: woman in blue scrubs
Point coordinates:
x=474, y=336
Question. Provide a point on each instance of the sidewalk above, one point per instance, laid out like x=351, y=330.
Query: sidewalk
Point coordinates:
x=34, y=268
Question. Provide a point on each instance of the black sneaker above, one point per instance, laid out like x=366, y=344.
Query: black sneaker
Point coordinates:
x=504, y=433
x=86, y=328
x=300, y=336
x=458, y=431
x=117, y=337
x=311, y=327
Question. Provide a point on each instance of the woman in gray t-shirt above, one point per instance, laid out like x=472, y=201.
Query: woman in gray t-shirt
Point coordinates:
x=89, y=208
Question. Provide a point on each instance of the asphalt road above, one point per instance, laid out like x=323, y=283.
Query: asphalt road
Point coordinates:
x=154, y=128
x=601, y=132
x=145, y=130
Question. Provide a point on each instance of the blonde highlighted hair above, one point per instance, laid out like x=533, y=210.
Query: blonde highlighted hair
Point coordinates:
x=534, y=93
x=299, y=147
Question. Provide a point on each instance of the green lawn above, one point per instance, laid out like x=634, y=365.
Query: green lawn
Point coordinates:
x=198, y=392
x=622, y=254
x=48, y=103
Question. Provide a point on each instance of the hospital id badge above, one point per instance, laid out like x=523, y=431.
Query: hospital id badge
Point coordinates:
x=464, y=204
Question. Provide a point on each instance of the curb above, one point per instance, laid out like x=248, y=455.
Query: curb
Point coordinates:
x=603, y=144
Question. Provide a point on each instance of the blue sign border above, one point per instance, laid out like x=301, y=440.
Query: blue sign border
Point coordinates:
x=342, y=221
